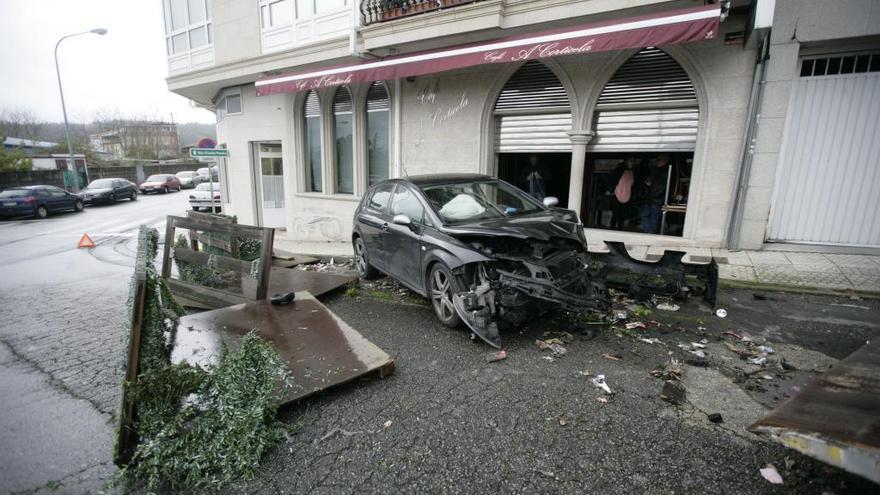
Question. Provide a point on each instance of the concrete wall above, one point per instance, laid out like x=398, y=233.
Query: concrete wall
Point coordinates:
x=799, y=25
x=236, y=30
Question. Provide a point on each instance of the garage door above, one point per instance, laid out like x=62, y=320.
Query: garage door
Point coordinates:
x=828, y=187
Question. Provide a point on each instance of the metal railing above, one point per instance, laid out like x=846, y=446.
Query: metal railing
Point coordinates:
x=374, y=11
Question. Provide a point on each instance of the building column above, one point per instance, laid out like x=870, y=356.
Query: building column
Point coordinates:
x=579, y=141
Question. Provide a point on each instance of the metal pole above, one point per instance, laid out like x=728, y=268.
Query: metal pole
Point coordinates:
x=211, y=182
x=71, y=162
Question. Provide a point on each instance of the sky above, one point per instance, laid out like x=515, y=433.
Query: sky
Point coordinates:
x=119, y=74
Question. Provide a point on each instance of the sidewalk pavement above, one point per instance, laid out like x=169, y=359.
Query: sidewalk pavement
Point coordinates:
x=798, y=270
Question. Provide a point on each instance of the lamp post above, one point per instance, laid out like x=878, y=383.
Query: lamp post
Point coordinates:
x=71, y=162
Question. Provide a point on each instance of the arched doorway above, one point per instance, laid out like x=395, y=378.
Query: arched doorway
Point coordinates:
x=640, y=160
x=532, y=115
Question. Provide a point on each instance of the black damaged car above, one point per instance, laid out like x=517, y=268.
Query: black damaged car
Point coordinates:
x=489, y=255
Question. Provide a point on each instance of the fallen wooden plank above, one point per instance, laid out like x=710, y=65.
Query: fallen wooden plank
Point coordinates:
x=283, y=280
x=319, y=348
x=836, y=417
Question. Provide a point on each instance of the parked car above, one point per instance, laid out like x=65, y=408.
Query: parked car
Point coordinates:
x=201, y=197
x=489, y=255
x=189, y=179
x=160, y=183
x=215, y=174
x=38, y=201
x=109, y=191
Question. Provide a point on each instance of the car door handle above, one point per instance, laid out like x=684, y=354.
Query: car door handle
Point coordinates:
x=385, y=226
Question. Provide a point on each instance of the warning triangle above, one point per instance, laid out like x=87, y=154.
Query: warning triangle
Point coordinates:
x=86, y=242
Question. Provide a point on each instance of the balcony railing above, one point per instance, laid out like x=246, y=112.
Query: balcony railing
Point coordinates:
x=374, y=11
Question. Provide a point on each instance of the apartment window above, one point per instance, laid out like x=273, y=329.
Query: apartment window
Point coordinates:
x=313, y=142
x=306, y=9
x=233, y=103
x=276, y=13
x=187, y=25
x=344, y=141
x=377, y=133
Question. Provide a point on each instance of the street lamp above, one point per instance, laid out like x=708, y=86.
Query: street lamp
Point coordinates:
x=71, y=163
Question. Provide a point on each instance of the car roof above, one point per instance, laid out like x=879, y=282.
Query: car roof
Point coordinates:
x=434, y=179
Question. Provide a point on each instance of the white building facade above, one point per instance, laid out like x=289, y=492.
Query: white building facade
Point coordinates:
x=761, y=129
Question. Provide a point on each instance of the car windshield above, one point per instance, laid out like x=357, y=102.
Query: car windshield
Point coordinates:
x=206, y=186
x=15, y=193
x=479, y=200
x=101, y=184
x=156, y=178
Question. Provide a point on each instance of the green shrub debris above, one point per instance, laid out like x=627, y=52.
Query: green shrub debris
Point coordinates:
x=200, y=428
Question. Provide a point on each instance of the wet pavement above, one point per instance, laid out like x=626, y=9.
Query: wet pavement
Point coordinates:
x=447, y=421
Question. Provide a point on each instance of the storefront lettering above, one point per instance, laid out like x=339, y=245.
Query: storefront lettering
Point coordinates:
x=494, y=56
x=552, y=50
x=440, y=116
x=322, y=82
x=427, y=94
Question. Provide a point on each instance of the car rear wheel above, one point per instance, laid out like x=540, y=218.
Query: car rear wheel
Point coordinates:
x=41, y=212
x=78, y=205
x=361, y=259
x=112, y=198
x=443, y=286
x=133, y=196
x=165, y=190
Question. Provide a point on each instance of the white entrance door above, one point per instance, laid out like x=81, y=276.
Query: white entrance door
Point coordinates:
x=828, y=185
x=271, y=195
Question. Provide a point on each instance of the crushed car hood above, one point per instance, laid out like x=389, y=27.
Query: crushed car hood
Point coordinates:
x=541, y=226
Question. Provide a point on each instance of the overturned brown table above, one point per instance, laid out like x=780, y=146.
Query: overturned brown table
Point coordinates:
x=836, y=417
x=319, y=348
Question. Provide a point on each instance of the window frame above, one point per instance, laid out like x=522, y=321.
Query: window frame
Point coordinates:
x=186, y=28
x=336, y=164
x=305, y=148
x=240, y=103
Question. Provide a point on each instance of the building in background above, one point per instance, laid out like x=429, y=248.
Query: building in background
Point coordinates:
x=740, y=123
x=29, y=146
x=138, y=141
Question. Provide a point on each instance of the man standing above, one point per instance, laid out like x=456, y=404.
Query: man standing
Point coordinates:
x=652, y=194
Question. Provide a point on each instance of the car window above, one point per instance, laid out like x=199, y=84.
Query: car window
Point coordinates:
x=15, y=193
x=379, y=198
x=57, y=193
x=406, y=203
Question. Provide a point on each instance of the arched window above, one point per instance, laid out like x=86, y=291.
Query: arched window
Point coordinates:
x=344, y=142
x=313, y=142
x=377, y=133
x=532, y=120
x=641, y=157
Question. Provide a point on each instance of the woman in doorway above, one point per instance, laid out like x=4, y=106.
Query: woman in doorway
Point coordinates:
x=623, y=178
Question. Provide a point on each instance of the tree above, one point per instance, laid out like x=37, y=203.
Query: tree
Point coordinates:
x=21, y=124
x=13, y=160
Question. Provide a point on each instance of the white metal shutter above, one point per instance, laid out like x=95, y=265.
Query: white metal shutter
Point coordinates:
x=828, y=185
x=532, y=112
x=649, y=104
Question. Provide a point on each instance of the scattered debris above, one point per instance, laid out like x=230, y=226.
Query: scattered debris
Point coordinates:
x=554, y=344
x=673, y=392
x=721, y=313
x=635, y=324
x=855, y=306
x=599, y=382
x=758, y=361
x=333, y=432
x=668, y=307
x=715, y=418
x=387, y=424
x=771, y=474
x=766, y=349
x=670, y=371
x=613, y=357
x=652, y=340
x=603, y=400
x=619, y=315
x=765, y=297
x=699, y=353
x=563, y=420
x=585, y=373
x=497, y=356
x=698, y=345
x=562, y=337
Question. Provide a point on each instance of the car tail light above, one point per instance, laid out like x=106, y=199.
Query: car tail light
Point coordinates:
x=216, y=196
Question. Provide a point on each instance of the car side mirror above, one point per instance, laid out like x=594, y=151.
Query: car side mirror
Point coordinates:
x=402, y=220
x=551, y=201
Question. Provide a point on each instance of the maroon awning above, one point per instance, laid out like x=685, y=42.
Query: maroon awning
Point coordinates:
x=667, y=28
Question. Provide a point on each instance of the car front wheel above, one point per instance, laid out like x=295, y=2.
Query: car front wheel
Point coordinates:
x=133, y=196
x=165, y=190
x=41, y=212
x=78, y=205
x=443, y=286
x=361, y=259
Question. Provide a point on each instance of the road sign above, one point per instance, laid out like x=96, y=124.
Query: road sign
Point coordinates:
x=214, y=152
x=86, y=242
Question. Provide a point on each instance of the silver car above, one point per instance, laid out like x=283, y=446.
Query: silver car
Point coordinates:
x=203, y=197
x=189, y=179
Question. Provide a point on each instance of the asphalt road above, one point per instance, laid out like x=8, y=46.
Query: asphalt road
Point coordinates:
x=62, y=313
x=458, y=424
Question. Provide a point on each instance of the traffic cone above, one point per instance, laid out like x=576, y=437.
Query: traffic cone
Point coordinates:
x=86, y=242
